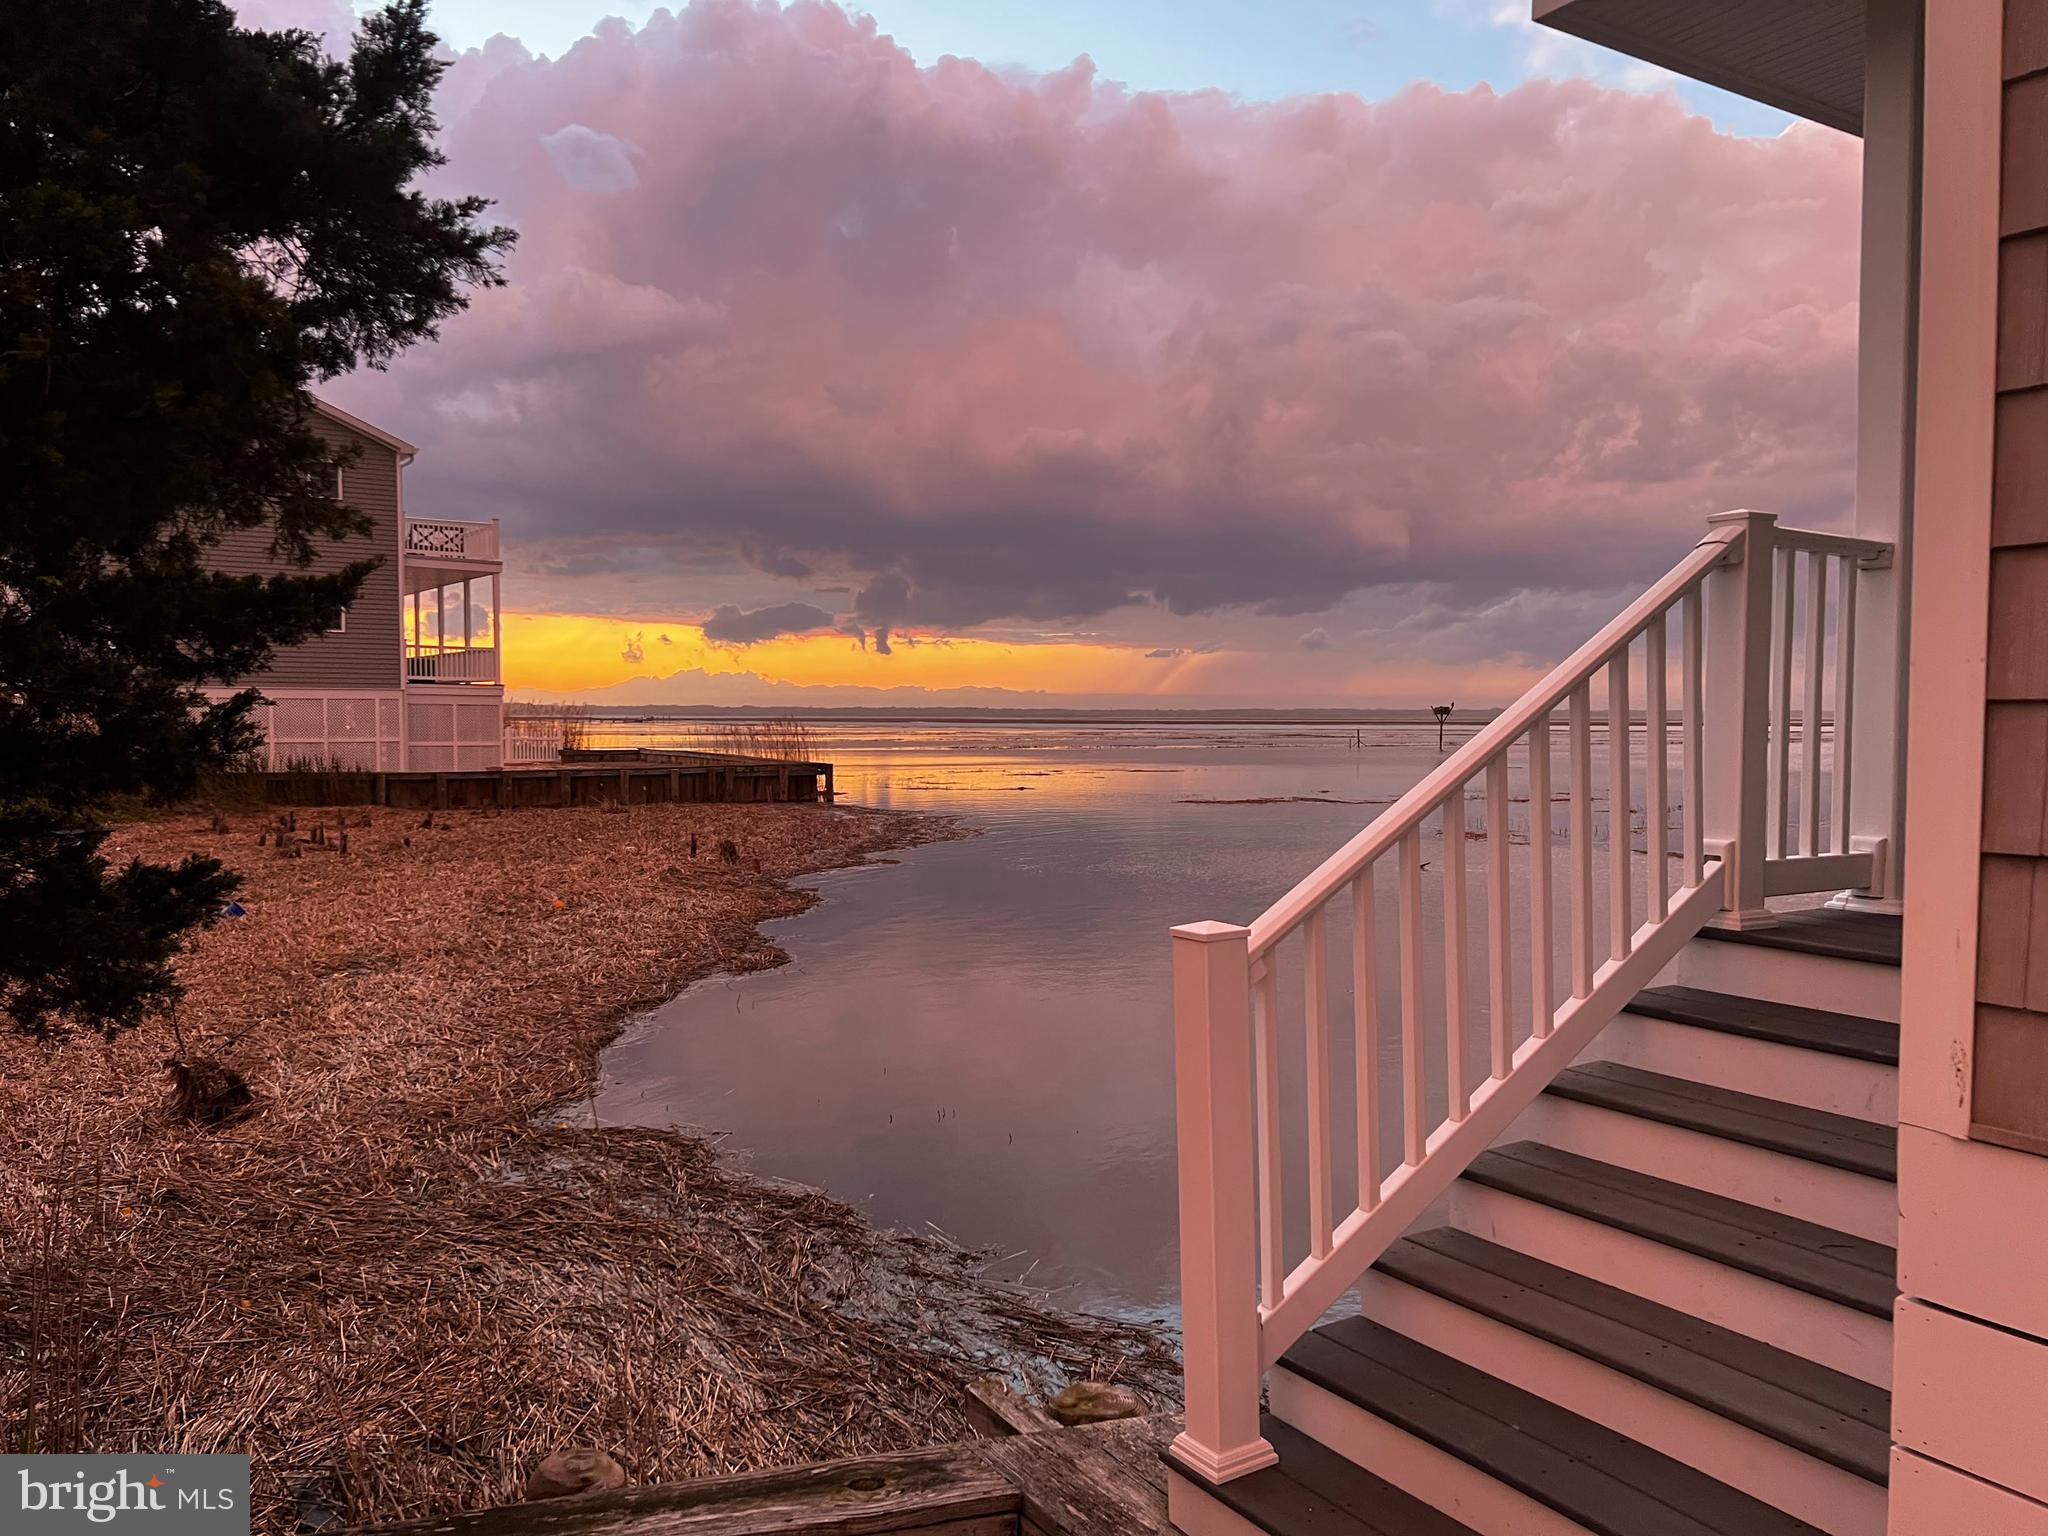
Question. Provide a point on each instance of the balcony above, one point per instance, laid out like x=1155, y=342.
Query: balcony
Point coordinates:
x=444, y=547
x=454, y=664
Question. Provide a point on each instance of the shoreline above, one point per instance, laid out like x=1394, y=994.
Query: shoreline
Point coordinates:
x=407, y=1275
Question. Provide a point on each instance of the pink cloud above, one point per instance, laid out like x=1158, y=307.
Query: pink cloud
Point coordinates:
x=1034, y=347
x=333, y=20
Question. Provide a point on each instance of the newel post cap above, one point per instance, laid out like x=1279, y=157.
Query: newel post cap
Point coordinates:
x=1211, y=933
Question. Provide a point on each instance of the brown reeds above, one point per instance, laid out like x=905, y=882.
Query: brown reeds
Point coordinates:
x=784, y=739
x=413, y=1265
x=564, y=725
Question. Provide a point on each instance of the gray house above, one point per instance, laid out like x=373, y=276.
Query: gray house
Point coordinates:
x=409, y=676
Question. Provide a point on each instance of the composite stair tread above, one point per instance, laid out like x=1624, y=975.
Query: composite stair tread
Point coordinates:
x=1813, y=1029
x=1824, y=1413
x=1313, y=1491
x=1852, y=1271
x=1839, y=935
x=1586, y=1472
x=1859, y=1146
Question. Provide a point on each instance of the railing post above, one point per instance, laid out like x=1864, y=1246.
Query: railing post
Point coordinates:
x=1736, y=729
x=1212, y=1043
x=1886, y=395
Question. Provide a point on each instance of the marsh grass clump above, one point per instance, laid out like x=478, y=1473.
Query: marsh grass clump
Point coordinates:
x=784, y=739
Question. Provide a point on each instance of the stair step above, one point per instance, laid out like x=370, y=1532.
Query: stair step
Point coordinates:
x=1589, y=1474
x=1824, y=1413
x=1313, y=1491
x=1813, y=1029
x=1856, y=1146
x=1851, y=1271
x=1840, y=935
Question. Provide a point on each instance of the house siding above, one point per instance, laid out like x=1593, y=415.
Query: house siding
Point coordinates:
x=370, y=652
x=2009, y=1088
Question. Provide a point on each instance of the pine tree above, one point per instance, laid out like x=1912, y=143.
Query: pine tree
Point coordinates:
x=197, y=224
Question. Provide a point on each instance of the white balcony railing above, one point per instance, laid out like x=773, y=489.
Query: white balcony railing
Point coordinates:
x=1245, y=1297
x=446, y=539
x=457, y=664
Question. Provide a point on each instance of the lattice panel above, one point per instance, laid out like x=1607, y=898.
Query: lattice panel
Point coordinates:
x=298, y=720
x=477, y=722
x=352, y=718
x=354, y=756
x=429, y=722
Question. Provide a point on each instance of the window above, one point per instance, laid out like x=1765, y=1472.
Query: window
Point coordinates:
x=340, y=624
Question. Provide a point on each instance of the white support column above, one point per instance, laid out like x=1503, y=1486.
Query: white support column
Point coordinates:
x=467, y=638
x=497, y=628
x=1737, y=715
x=1887, y=360
x=1212, y=1042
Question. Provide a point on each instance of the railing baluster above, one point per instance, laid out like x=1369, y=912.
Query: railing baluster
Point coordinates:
x=1322, y=1200
x=1656, y=752
x=1266, y=1052
x=1542, y=950
x=1845, y=701
x=1365, y=1035
x=1779, y=710
x=1498, y=934
x=1621, y=919
x=1414, y=1134
x=1692, y=769
x=1809, y=713
x=1579, y=716
x=1458, y=1089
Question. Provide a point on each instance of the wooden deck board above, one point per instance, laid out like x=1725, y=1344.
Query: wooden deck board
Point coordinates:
x=1841, y=935
x=1851, y=1271
x=1104, y=1480
x=1810, y=1029
x=582, y=778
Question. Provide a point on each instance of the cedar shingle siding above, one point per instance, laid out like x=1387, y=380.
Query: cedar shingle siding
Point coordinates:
x=2009, y=1095
x=369, y=653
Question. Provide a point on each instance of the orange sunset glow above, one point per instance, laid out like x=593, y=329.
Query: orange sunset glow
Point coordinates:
x=574, y=655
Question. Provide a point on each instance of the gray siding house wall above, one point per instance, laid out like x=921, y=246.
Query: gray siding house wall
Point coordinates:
x=370, y=650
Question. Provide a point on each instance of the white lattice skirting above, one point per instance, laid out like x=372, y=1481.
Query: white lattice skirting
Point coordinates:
x=355, y=732
x=446, y=735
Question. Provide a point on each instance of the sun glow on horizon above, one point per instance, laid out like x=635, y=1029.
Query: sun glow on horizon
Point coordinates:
x=567, y=653
x=572, y=654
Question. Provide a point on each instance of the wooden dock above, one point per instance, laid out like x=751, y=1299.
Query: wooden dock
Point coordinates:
x=593, y=776
x=1103, y=1480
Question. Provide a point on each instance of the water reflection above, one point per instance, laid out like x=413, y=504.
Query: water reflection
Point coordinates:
x=978, y=1039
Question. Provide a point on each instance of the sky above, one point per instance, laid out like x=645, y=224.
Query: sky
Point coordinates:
x=1327, y=352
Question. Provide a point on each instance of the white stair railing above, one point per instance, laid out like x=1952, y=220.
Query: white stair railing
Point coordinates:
x=1242, y=1301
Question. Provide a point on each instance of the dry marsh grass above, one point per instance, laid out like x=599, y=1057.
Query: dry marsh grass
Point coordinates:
x=417, y=1266
x=780, y=740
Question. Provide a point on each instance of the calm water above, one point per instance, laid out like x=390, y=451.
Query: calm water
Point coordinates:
x=978, y=1039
